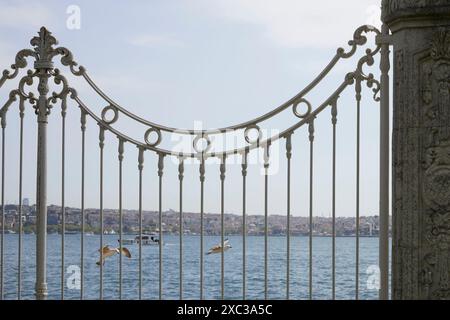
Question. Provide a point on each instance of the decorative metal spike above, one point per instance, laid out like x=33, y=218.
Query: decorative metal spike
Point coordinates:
x=311, y=129
x=181, y=169
x=289, y=146
x=222, y=167
x=202, y=170
x=83, y=120
x=160, y=164
x=141, y=159
x=121, y=149
x=244, y=164
x=334, y=112
x=267, y=155
x=101, y=137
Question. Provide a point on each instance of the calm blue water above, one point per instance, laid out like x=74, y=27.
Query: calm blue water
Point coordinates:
x=345, y=268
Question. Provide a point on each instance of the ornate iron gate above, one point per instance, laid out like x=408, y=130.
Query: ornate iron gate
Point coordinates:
x=249, y=133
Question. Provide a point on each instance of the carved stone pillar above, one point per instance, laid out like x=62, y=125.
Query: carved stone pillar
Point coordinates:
x=421, y=147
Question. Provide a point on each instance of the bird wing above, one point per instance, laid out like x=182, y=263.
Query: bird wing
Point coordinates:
x=109, y=253
x=126, y=252
x=225, y=242
x=216, y=247
x=105, y=249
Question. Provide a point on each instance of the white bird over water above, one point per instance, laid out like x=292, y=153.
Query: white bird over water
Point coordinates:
x=108, y=251
x=218, y=248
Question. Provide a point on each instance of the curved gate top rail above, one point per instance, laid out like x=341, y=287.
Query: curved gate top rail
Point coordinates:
x=44, y=52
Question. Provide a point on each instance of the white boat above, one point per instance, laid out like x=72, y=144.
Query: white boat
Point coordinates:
x=127, y=241
x=147, y=240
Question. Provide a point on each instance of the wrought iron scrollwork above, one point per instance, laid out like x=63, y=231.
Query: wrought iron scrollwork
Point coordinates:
x=370, y=80
x=20, y=63
x=27, y=80
x=21, y=94
x=67, y=60
x=358, y=40
x=45, y=51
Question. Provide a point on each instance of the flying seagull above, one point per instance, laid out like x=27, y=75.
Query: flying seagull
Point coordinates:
x=218, y=248
x=108, y=251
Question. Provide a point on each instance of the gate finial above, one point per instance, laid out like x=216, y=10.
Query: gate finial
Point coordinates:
x=43, y=47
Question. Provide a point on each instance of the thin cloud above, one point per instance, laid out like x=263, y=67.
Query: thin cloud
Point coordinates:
x=113, y=84
x=151, y=40
x=24, y=15
x=294, y=23
x=6, y=54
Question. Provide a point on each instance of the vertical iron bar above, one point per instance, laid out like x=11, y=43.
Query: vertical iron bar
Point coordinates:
x=43, y=66
x=333, y=227
x=101, y=145
x=42, y=110
x=266, y=217
x=311, y=176
x=83, y=141
x=140, y=167
x=160, y=174
x=244, y=223
x=384, y=169
x=63, y=208
x=202, y=183
x=2, y=245
x=358, y=129
x=222, y=213
x=180, y=177
x=120, y=157
x=19, y=263
x=288, y=212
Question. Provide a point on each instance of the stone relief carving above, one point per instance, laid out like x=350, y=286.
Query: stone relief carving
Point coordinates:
x=435, y=272
x=437, y=177
x=440, y=45
x=391, y=6
x=435, y=82
x=399, y=83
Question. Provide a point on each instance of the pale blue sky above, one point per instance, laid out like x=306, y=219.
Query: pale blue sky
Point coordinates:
x=218, y=62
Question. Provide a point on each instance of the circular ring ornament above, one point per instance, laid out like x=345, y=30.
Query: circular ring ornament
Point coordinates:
x=247, y=131
x=197, y=139
x=147, y=137
x=114, y=118
x=299, y=114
